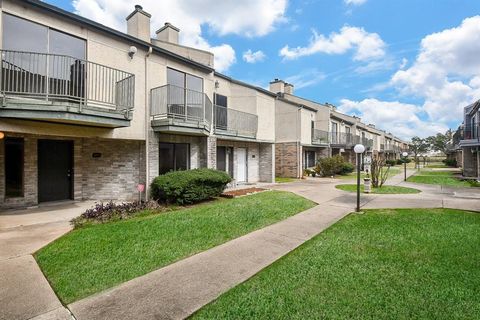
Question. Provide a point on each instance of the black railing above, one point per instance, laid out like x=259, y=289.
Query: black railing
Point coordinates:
x=319, y=136
x=180, y=104
x=234, y=122
x=59, y=78
x=341, y=138
x=471, y=131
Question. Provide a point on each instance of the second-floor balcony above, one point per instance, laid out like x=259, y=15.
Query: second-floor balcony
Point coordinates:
x=341, y=139
x=368, y=143
x=470, y=135
x=231, y=122
x=320, y=137
x=50, y=87
x=180, y=110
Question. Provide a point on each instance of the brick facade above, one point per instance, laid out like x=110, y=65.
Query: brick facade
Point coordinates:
x=287, y=159
x=113, y=176
x=471, y=165
x=267, y=162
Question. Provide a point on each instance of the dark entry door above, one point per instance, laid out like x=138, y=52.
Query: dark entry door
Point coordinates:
x=55, y=173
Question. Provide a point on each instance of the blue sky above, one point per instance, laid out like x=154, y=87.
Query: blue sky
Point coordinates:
x=367, y=58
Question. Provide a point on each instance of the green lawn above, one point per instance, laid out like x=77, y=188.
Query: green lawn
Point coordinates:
x=384, y=264
x=383, y=190
x=444, y=178
x=90, y=259
x=284, y=180
x=392, y=172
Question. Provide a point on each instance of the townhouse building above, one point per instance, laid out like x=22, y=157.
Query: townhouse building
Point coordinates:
x=469, y=141
x=306, y=131
x=89, y=112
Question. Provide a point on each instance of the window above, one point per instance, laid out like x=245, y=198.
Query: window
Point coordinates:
x=309, y=159
x=185, y=94
x=66, y=73
x=23, y=35
x=173, y=157
x=14, y=167
x=334, y=132
x=225, y=159
x=221, y=114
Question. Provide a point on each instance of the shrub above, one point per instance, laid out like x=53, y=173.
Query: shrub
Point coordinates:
x=110, y=211
x=330, y=166
x=450, y=162
x=390, y=162
x=190, y=186
x=399, y=161
x=347, y=168
x=309, y=172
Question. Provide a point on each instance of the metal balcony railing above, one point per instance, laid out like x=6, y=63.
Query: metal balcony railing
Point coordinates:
x=319, y=136
x=471, y=131
x=181, y=105
x=368, y=143
x=229, y=121
x=341, y=138
x=60, y=79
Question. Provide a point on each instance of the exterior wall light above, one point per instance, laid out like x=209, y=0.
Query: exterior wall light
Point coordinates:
x=131, y=51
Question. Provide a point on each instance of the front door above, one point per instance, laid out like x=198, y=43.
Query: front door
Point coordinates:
x=55, y=173
x=241, y=165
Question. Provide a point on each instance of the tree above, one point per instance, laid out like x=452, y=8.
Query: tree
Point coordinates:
x=418, y=146
x=379, y=174
x=440, y=142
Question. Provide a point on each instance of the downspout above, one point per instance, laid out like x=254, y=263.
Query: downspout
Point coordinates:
x=147, y=127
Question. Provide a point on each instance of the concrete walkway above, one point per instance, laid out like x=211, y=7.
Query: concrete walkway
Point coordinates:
x=178, y=290
x=24, y=291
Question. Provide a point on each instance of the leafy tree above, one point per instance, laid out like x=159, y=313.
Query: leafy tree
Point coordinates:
x=418, y=146
x=440, y=142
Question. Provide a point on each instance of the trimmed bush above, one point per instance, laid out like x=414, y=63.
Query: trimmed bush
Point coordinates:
x=331, y=166
x=190, y=186
x=390, y=162
x=347, y=168
x=450, y=162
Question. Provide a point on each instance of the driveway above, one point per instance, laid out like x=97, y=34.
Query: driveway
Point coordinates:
x=24, y=291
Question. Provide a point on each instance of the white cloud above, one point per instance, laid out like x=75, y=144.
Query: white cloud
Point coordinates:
x=253, y=57
x=401, y=119
x=249, y=18
x=366, y=45
x=354, y=2
x=446, y=73
x=306, y=78
x=404, y=63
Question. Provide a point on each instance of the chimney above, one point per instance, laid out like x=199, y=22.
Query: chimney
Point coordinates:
x=138, y=24
x=277, y=86
x=289, y=88
x=168, y=33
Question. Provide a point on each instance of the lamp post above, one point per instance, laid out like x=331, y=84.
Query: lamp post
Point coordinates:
x=359, y=149
x=405, y=155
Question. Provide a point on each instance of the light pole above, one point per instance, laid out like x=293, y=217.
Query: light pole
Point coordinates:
x=359, y=149
x=405, y=155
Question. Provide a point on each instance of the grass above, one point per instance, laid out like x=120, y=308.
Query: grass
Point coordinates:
x=386, y=189
x=443, y=178
x=392, y=172
x=96, y=257
x=284, y=180
x=384, y=264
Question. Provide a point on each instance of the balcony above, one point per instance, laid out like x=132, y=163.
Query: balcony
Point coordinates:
x=319, y=137
x=179, y=110
x=471, y=136
x=64, y=89
x=231, y=122
x=368, y=143
x=382, y=147
x=341, y=139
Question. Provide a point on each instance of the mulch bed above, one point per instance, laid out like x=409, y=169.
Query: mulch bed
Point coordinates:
x=241, y=192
